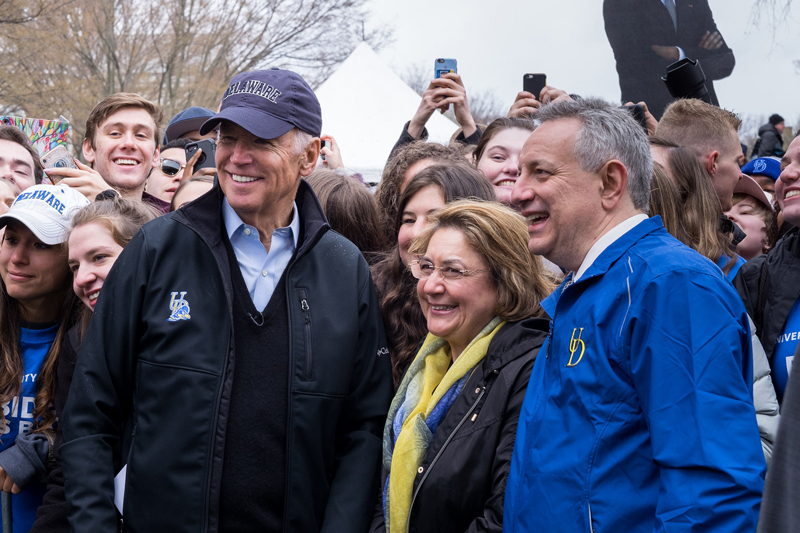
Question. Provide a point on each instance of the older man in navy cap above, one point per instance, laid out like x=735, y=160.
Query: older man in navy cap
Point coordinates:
x=235, y=375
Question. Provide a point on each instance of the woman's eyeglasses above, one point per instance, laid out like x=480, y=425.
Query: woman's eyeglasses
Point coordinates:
x=170, y=167
x=421, y=269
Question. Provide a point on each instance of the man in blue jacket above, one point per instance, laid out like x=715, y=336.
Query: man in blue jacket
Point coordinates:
x=639, y=418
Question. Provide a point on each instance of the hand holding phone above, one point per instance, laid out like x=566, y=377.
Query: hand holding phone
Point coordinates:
x=207, y=158
x=534, y=83
x=443, y=66
x=58, y=157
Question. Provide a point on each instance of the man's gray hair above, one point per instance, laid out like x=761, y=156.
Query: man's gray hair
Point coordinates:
x=301, y=141
x=608, y=132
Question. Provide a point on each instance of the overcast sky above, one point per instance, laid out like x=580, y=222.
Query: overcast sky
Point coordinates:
x=497, y=41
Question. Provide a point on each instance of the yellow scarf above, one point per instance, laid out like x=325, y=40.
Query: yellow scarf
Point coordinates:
x=429, y=377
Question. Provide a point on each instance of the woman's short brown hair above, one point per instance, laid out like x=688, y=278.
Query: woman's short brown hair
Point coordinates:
x=500, y=236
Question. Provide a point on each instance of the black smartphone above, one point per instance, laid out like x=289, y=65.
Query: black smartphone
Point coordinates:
x=322, y=144
x=207, y=159
x=637, y=112
x=534, y=83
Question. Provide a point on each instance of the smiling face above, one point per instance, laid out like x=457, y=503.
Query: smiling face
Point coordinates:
x=456, y=310
x=259, y=177
x=415, y=217
x=787, y=188
x=92, y=253
x=746, y=216
x=124, y=150
x=500, y=161
x=35, y=274
x=16, y=165
x=560, y=201
x=162, y=185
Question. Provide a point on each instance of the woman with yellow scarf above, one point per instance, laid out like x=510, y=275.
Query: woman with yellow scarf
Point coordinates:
x=450, y=430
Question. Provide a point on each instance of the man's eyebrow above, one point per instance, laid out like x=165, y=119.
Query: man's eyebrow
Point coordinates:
x=20, y=162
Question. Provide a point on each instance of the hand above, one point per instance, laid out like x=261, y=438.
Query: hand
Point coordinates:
x=551, y=94
x=6, y=483
x=449, y=89
x=651, y=121
x=525, y=106
x=187, y=170
x=670, y=53
x=711, y=41
x=333, y=156
x=83, y=179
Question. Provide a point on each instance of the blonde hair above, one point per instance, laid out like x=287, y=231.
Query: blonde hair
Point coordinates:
x=698, y=126
x=500, y=236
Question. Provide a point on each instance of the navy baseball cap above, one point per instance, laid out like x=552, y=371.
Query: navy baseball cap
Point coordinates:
x=187, y=120
x=269, y=103
x=763, y=166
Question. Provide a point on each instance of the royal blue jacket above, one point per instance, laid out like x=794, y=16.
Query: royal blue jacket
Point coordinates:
x=640, y=416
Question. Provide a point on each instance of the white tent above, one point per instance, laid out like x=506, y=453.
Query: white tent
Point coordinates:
x=364, y=107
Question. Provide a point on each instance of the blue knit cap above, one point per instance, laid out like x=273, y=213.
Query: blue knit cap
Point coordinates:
x=763, y=166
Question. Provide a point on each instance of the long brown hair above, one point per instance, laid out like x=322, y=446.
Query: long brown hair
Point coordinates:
x=699, y=225
x=397, y=288
x=11, y=363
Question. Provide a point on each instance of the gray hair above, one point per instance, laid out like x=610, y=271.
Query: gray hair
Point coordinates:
x=301, y=141
x=608, y=132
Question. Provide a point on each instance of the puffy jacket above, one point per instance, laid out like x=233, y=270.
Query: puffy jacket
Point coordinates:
x=764, y=399
x=770, y=141
x=463, y=479
x=640, y=416
x=154, y=394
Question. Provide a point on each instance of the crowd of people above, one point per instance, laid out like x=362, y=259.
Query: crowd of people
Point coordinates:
x=564, y=320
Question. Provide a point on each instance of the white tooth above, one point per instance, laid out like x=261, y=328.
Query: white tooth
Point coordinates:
x=242, y=179
x=792, y=194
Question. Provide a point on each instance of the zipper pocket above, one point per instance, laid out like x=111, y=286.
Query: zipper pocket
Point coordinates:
x=307, y=327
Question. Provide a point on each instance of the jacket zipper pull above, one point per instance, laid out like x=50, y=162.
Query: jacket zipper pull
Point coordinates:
x=549, y=340
x=304, y=306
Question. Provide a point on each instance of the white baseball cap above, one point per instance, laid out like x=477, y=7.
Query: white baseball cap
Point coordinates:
x=46, y=210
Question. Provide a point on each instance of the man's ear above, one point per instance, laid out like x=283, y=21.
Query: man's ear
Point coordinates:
x=308, y=159
x=711, y=163
x=88, y=152
x=614, y=178
x=156, y=157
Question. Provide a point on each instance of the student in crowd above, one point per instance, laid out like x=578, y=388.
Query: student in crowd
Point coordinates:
x=19, y=160
x=121, y=146
x=710, y=134
x=497, y=153
x=765, y=170
x=37, y=308
x=700, y=226
x=98, y=234
x=350, y=209
x=404, y=165
x=431, y=189
x=451, y=427
x=753, y=212
x=186, y=125
x=768, y=285
x=597, y=446
x=770, y=138
x=190, y=190
x=165, y=178
x=8, y=192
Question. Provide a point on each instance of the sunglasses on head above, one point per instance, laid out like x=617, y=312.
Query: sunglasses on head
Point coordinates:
x=170, y=167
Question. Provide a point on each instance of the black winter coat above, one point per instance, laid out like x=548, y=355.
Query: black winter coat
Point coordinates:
x=462, y=480
x=771, y=283
x=770, y=141
x=154, y=394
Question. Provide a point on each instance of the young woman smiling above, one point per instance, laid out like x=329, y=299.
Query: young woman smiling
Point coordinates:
x=37, y=308
x=98, y=235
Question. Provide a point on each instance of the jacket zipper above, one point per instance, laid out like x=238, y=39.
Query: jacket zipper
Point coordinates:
x=307, y=326
x=449, y=438
x=591, y=525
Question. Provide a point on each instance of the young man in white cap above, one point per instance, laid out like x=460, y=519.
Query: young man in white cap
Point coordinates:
x=243, y=342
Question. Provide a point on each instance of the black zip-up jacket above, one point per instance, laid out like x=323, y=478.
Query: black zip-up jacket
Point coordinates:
x=460, y=486
x=769, y=286
x=154, y=394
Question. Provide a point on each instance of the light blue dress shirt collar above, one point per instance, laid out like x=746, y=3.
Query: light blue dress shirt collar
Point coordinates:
x=260, y=269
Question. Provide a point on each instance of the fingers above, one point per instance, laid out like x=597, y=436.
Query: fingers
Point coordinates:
x=15, y=489
x=8, y=483
x=81, y=165
x=187, y=171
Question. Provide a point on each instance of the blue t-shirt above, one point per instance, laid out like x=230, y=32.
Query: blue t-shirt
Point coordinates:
x=34, y=344
x=785, y=346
